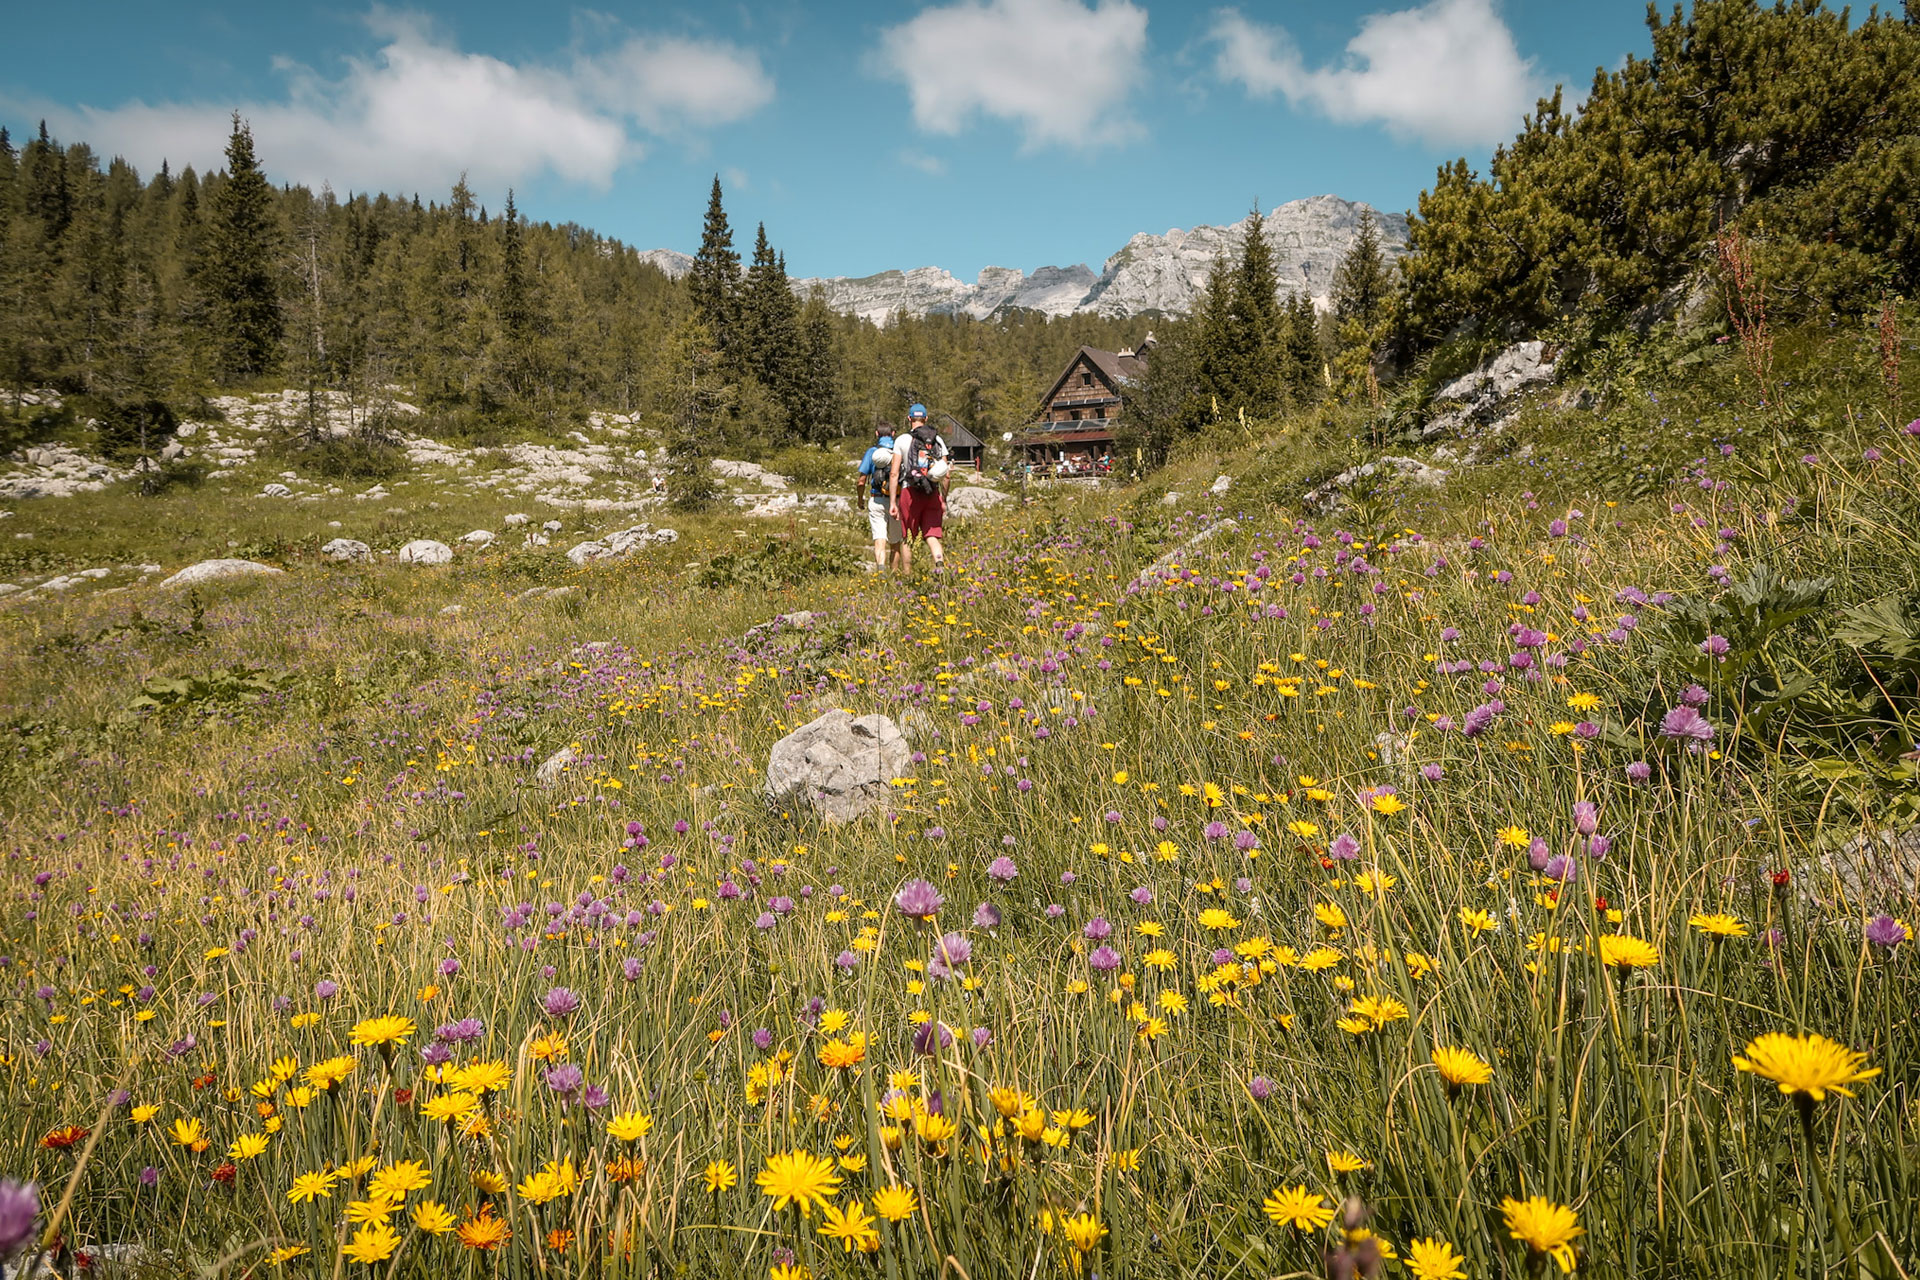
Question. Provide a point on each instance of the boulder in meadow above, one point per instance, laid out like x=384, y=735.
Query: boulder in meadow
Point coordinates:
x=349, y=549
x=839, y=765
x=424, y=551
x=213, y=570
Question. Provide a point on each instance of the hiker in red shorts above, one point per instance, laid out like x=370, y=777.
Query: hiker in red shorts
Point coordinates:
x=917, y=486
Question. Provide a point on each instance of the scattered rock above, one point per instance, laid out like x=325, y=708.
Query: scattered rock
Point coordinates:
x=212, y=570
x=1875, y=871
x=971, y=500
x=1478, y=397
x=839, y=765
x=1171, y=498
x=347, y=549
x=517, y=518
x=479, y=537
x=554, y=765
x=1221, y=485
x=425, y=551
x=1412, y=470
x=276, y=490
x=1158, y=569
x=453, y=610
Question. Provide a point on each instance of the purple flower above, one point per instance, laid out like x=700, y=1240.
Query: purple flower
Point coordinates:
x=1215, y=830
x=1002, y=869
x=565, y=1079
x=1261, y=1088
x=1687, y=724
x=595, y=1097
x=560, y=1003
x=1537, y=854
x=1432, y=772
x=765, y=920
x=1715, y=646
x=326, y=989
x=435, y=1054
x=982, y=1037
x=19, y=1206
x=1639, y=771
x=1344, y=847
x=1055, y=911
x=924, y=1037
x=1245, y=840
x=1561, y=868
x=1694, y=696
x=1097, y=929
x=630, y=968
x=1104, y=959
x=986, y=916
x=949, y=954
x=1586, y=817
x=149, y=1176
x=182, y=1047
x=1885, y=931
x=460, y=1032
x=762, y=1039
x=919, y=899
x=1142, y=896
x=847, y=961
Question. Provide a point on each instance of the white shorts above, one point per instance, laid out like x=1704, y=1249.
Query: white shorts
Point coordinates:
x=882, y=525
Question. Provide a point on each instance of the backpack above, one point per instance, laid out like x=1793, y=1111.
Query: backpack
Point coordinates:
x=915, y=464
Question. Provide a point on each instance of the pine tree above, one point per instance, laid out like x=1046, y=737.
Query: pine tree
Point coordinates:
x=242, y=242
x=814, y=407
x=1302, y=364
x=714, y=280
x=1215, y=360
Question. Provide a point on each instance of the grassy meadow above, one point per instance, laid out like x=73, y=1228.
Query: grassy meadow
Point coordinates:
x=1456, y=885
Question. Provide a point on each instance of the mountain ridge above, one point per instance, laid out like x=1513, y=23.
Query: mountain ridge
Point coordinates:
x=1150, y=274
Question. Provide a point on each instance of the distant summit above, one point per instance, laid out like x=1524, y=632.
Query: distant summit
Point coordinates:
x=1151, y=274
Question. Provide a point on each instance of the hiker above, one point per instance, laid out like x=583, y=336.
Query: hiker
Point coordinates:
x=918, y=486
x=889, y=542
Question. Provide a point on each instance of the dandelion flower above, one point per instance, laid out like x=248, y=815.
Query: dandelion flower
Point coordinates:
x=372, y=1243
x=449, y=1106
x=1083, y=1231
x=1434, y=1259
x=1461, y=1066
x=481, y=1077
x=384, y=1030
x=1546, y=1227
x=895, y=1203
x=1720, y=926
x=1346, y=1162
x=1296, y=1207
x=187, y=1131
x=852, y=1226
x=629, y=1126
x=433, y=1218
x=719, y=1175
x=798, y=1178
x=484, y=1231
x=399, y=1178
x=247, y=1146
x=1624, y=951
x=378, y=1208
x=287, y=1253
x=327, y=1074
x=1806, y=1065
x=312, y=1186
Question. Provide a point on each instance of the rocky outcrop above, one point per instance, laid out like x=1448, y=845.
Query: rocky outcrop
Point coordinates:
x=1157, y=571
x=1390, y=468
x=55, y=471
x=839, y=765
x=619, y=544
x=971, y=500
x=1485, y=396
x=214, y=570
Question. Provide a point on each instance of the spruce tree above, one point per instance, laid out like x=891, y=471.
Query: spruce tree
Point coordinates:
x=242, y=242
x=695, y=394
x=1215, y=359
x=714, y=280
x=1302, y=365
x=814, y=406
x=1254, y=332
x=1362, y=284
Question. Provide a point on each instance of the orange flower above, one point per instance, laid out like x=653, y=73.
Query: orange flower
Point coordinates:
x=63, y=1139
x=484, y=1231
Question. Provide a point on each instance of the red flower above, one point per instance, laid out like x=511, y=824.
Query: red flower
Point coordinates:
x=1599, y=904
x=63, y=1139
x=1782, y=878
x=224, y=1174
x=403, y=1097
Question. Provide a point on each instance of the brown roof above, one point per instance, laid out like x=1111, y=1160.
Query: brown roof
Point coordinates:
x=957, y=436
x=1115, y=370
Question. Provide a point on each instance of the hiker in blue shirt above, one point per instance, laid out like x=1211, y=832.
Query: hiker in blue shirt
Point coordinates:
x=889, y=541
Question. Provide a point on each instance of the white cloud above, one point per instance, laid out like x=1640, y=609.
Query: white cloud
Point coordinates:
x=418, y=112
x=1059, y=70
x=1447, y=72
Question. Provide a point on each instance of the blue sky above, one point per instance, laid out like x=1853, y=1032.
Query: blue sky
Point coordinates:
x=961, y=134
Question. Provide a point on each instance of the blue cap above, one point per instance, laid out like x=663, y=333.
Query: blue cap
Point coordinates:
x=916, y=411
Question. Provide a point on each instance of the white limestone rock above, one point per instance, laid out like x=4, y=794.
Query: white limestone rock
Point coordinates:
x=215, y=570
x=838, y=765
x=425, y=551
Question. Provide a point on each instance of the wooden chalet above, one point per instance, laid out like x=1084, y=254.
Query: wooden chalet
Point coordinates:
x=1074, y=427
x=965, y=448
